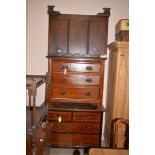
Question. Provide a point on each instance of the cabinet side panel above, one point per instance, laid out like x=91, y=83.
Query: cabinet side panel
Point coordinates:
x=58, y=36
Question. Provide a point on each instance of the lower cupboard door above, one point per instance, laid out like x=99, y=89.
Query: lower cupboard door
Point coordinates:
x=75, y=140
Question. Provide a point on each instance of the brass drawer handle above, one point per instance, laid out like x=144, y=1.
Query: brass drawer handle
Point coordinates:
x=62, y=79
x=42, y=139
x=56, y=127
x=86, y=127
x=87, y=93
x=63, y=93
x=89, y=80
x=89, y=68
x=87, y=117
x=56, y=115
x=64, y=67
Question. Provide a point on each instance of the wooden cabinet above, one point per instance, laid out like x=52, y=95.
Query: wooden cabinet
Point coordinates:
x=77, y=34
x=75, y=128
x=80, y=81
x=118, y=86
x=76, y=47
x=75, y=101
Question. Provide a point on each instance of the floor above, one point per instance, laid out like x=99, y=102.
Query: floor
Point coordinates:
x=64, y=151
x=68, y=151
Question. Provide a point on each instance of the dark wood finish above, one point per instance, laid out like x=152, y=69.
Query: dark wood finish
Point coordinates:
x=75, y=127
x=75, y=47
x=72, y=65
x=75, y=79
x=87, y=117
x=59, y=29
x=98, y=37
x=78, y=36
x=85, y=90
x=91, y=92
x=78, y=140
x=54, y=116
x=86, y=124
x=42, y=136
x=77, y=33
x=28, y=144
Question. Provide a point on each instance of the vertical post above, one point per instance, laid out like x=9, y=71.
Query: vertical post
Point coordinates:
x=34, y=92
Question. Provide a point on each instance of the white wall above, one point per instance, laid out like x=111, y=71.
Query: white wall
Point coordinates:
x=37, y=26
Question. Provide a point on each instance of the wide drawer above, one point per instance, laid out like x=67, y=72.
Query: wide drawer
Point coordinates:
x=75, y=127
x=61, y=66
x=87, y=116
x=59, y=116
x=89, y=92
x=60, y=78
x=75, y=140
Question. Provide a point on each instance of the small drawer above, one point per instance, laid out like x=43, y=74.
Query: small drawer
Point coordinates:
x=59, y=116
x=75, y=79
x=61, y=66
x=75, y=127
x=91, y=92
x=86, y=116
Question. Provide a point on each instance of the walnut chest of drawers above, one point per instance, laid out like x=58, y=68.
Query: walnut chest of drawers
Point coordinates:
x=75, y=101
x=76, y=47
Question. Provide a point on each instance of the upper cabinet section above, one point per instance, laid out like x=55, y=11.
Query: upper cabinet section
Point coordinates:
x=77, y=35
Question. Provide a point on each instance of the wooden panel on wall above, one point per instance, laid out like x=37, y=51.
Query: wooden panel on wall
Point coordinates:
x=97, y=37
x=78, y=36
x=58, y=36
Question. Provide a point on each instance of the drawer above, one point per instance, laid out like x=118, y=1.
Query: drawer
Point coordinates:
x=86, y=116
x=61, y=66
x=75, y=140
x=75, y=127
x=89, y=92
x=42, y=136
x=60, y=78
x=59, y=116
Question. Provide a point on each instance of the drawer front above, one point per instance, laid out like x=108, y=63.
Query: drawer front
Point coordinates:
x=91, y=92
x=60, y=66
x=75, y=140
x=59, y=116
x=60, y=78
x=42, y=137
x=86, y=117
x=72, y=127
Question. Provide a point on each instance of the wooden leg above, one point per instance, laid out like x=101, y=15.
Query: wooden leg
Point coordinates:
x=76, y=152
x=86, y=150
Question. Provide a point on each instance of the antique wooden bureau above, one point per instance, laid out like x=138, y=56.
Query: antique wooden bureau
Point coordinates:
x=77, y=47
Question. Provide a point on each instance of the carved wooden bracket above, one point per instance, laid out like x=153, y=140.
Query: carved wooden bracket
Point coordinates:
x=105, y=13
x=52, y=12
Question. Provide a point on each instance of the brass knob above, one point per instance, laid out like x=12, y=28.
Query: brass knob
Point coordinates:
x=63, y=93
x=89, y=68
x=89, y=80
x=62, y=79
x=87, y=93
